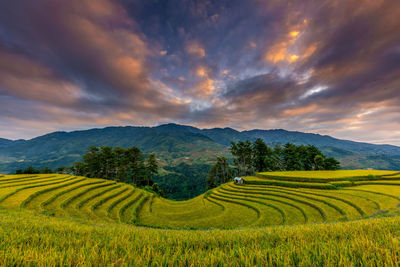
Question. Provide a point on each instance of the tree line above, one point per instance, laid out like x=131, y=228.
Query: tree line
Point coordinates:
x=118, y=164
x=249, y=158
x=32, y=170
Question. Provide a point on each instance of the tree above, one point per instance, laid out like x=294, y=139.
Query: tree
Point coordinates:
x=158, y=190
x=92, y=163
x=331, y=164
x=243, y=157
x=79, y=168
x=120, y=163
x=262, y=156
x=220, y=173
x=46, y=170
x=319, y=162
x=32, y=170
x=312, y=152
x=136, y=168
x=277, y=160
x=124, y=165
x=106, y=158
x=151, y=167
x=291, y=157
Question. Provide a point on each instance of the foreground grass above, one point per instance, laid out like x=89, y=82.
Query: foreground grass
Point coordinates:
x=28, y=238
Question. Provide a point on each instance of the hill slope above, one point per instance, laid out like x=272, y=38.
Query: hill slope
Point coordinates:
x=177, y=144
x=271, y=199
x=91, y=231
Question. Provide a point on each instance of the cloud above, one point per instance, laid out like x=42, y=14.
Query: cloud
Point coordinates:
x=24, y=78
x=196, y=49
x=331, y=67
x=90, y=57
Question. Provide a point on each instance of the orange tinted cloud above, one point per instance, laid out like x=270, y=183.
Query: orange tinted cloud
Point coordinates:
x=298, y=111
x=196, y=49
x=24, y=78
x=281, y=50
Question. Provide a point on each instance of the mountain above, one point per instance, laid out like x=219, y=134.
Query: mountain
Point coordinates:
x=63, y=148
x=176, y=143
x=5, y=142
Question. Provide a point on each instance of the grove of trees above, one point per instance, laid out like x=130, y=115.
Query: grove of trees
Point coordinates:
x=32, y=170
x=249, y=158
x=119, y=164
x=220, y=173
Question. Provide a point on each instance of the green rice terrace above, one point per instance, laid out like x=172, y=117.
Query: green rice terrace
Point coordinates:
x=320, y=218
x=274, y=198
x=330, y=218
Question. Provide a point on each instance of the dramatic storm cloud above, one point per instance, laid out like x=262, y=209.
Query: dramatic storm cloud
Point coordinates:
x=324, y=66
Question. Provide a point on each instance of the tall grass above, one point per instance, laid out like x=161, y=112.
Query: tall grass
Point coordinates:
x=31, y=239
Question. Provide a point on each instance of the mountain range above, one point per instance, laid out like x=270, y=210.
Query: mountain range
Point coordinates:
x=176, y=143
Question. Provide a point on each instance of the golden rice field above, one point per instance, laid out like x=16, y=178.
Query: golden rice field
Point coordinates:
x=340, y=174
x=261, y=201
x=31, y=239
x=66, y=220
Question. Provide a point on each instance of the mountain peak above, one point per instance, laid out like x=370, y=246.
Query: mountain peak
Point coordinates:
x=176, y=127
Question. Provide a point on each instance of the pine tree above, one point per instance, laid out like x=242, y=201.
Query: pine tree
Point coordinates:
x=243, y=157
x=262, y=156
x=220, y=173
x=151, y=168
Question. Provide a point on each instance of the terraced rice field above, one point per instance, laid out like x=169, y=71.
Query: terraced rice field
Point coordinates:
x=65, y=195
x=63, y=220
x=261, y=201
x=328, y=175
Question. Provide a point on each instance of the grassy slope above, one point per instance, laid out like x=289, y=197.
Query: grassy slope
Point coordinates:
x=86, y=229
x=260, y=202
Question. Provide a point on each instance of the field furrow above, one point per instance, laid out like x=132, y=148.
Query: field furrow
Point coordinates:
x=269, y=214
x=19, y=178
x=53, y=203
x=294, y=213
x=32, y=181
x=100, y=207
x=238, y=211
x=331, y=208
x=126, y=212
x=35, y=199
x=342, y=203
x=14, y=198
x=317, y=213
x=85, y=205
x=115, y=206
x=70, y=206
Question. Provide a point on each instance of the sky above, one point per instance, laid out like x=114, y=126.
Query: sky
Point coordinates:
x=323, y=66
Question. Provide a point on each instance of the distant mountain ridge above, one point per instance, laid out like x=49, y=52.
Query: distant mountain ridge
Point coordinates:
x=176, y=143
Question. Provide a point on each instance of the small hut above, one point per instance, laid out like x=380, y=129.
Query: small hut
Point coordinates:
x=238, y=180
